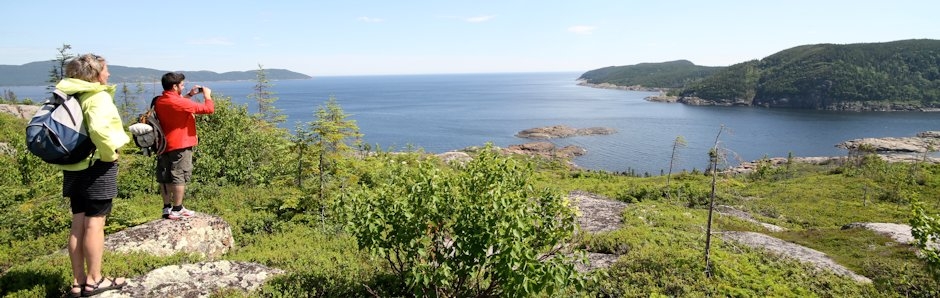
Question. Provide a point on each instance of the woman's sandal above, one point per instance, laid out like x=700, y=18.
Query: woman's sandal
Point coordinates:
x=98, y=289
x=73, y=293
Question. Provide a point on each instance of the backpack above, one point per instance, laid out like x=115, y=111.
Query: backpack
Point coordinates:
x=57, y=133
x=148, y=135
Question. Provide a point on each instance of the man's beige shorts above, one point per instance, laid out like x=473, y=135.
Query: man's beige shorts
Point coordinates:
x=175, y=167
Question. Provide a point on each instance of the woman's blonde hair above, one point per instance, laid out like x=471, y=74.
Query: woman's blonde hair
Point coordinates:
x=86, y=67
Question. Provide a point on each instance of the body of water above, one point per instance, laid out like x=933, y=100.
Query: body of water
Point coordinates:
x=446, y=112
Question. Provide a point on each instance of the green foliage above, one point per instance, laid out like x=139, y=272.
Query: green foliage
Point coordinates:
x=481, y=229
x=925, y=227
x=661, y=255
x=235, y=148
x=8, y=97
x=873, y=76
x=889, y=265
x=731, y=85
x=324, y=142
x=127, y=106
x=57, y=73
x=673, y=74
x=265, y=99
x=319, y=264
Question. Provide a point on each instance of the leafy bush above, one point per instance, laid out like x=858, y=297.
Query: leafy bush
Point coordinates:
x=925, y=228
x=235, y=148
x=479, y=230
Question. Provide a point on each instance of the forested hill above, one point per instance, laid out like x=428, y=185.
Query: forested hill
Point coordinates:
x=899, y=75
x=673, y=74
x=37, y=73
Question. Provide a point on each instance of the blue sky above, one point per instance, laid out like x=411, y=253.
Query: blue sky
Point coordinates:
x=326, y=38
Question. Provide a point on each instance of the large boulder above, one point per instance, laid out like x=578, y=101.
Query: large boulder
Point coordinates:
x=205, y=235
x=197, y=280
x=21, y=111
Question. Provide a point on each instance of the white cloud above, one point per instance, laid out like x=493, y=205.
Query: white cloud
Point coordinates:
x=479, y=19
x=370, y=20
x=211, y=41
x=582, y=29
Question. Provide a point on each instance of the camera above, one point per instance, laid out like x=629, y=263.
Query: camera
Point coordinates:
x=199, y=90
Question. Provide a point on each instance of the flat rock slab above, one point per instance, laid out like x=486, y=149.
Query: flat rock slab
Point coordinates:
x=794, y=251
x=731, y=211
x=196, y=280
x=597, y=213
x=900, y=233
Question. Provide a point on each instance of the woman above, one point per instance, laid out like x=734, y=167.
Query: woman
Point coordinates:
x=91, y=184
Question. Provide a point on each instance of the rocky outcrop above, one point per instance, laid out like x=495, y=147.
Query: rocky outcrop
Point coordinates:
x=731, y=211
x=900, y=233
x=696, y=101
x=662, y=98
x=545, y=149
x=454, y=157
x=562, y=131
x=203, y=234
x=197, y=280
x=21, y=111
x=794, y=251
x=597, y=214
x=929, y=134
x=907, y=144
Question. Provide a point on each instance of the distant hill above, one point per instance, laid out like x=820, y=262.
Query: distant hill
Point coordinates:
x=898, y=75
x=891, y=76
x=673, y=74
x=37, y=74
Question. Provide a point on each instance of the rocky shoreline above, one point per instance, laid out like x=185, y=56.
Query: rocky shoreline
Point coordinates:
x=850, y=106
x=921, y=143
x=890, y=149
x=617, y=87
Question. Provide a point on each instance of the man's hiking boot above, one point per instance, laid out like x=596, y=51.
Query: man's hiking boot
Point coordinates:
x=183, y=213
x=166, y=213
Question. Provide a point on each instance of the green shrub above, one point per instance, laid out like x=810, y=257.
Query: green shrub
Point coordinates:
x=479, y=230
x=235, y=148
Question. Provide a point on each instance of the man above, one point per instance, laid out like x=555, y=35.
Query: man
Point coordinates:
x=177, y=119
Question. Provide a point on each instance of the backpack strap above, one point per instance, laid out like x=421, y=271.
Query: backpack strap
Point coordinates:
x=153, y=102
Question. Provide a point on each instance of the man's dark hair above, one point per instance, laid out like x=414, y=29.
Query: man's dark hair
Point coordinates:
x=170, y=79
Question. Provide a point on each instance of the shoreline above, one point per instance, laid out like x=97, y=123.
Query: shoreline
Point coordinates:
x=850, y=106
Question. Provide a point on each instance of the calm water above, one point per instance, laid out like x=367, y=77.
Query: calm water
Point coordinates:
x=445, y=112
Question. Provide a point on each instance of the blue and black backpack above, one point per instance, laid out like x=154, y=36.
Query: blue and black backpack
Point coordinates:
x=57, y=133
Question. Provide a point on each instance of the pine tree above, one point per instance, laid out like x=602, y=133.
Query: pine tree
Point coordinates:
x=265, y=98
x=57, y=73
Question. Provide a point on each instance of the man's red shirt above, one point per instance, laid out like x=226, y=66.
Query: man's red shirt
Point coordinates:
x=176, y=114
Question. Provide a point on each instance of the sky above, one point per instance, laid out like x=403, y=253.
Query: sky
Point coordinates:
x=340, y=38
